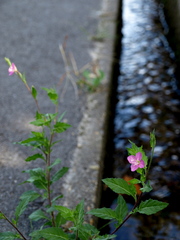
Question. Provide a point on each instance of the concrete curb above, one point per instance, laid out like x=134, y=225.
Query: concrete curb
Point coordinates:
x=83, y=180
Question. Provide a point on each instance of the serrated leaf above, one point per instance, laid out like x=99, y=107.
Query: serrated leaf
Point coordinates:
x=28, y=140
x=151, y=206
x=119, y=185
x=52, y=94
x=52, y=233
x=57, y=161
x=79, y=214
x=56, y=198
x=41, y=184
x=86, y=231
x=2, y=215
x=61, y=117
x=147, y=187
x=104, y=213
x=60, y=127
x=121, y=209
x=134, y=181
x=59, y=174
x=34, y=92
x=105, y=237
x=66, y=213
x=31, y=195
x=37, y=215
x=59, y=220
x=34, y=157
x=37, y=177
x=9, y=236
x=40, y=122
x=21, y=208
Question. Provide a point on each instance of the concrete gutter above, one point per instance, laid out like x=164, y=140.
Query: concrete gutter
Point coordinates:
x=83, y=180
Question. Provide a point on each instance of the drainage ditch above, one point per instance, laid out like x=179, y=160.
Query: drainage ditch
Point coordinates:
x=147, y=98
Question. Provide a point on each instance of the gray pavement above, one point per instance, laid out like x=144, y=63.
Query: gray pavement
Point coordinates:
x=30, y=35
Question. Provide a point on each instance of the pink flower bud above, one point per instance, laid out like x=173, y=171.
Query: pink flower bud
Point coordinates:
x=12, y=69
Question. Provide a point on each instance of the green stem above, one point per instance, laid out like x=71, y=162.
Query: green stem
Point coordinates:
x=13, y=226
x=48, y=176
x=29, y=89
x=129, y=215
x=149, y=165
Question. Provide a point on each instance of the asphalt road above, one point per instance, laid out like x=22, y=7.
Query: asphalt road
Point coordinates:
x=30, y=35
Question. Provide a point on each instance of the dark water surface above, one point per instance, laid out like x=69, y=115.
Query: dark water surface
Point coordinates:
x=148, y=99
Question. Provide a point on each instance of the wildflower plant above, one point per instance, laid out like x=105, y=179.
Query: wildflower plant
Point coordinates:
x=55, y=216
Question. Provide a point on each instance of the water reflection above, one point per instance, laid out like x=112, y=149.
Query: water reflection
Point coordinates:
x=147, y=100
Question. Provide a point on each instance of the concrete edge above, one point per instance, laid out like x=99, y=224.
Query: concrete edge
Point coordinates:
x=83, y=180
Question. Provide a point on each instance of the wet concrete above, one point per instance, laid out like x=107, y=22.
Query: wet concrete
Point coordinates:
x=172, y=13
x=148, y=99
x=31, y=33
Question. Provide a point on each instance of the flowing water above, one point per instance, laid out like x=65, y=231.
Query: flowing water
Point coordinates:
x=148, y=99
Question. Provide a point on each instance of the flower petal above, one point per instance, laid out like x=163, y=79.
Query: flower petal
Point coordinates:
x=131, y=159
x=134, y=167
x=139, y=156
x=141, y=164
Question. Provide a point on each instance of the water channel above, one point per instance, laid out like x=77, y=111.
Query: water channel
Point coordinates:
x=148, y=99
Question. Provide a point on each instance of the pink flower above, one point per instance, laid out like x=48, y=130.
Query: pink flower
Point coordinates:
x=136, y=161
x=12, y=69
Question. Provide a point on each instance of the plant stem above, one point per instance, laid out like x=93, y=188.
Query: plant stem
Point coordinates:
x=129, y=215
x=151, y=157
x=48, y=162
x=13, y=226
x=28, y=88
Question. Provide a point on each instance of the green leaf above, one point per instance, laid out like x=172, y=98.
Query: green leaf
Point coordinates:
x=134, y=181
x=61, y=117
x=151, y=206
x=36, y=172
x=52, y=233
x=36, y=140
x=34, y=92
x=40, y=122
x=56, y=198
x=2, y=215
x=105, y=237
x=37, y=177
x=147, y=187
x=9, y=236
x=119, y=185
x=26, y=141
x=21, y=208
x=104, y=213
x=57, y=161
x=52, y=94
x=39, y=115
x=34, y=157
x=79, y=214
x=60, y=127
x=121, y=209
x=59, y=174
x=86, y=231
x=37, y=215
x=66, y=213
x=59, y=220
x=31, y=195
x=41, y=184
